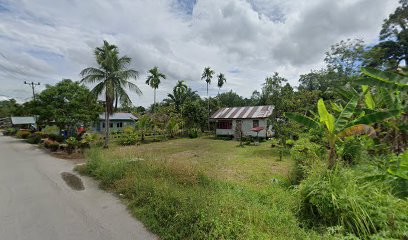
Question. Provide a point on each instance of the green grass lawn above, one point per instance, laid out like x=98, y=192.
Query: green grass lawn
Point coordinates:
x=221, y=159
x=203, y=188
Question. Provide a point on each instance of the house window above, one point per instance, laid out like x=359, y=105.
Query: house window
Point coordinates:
x=103, y=125
x=255, y=123
x=110, y=125
x=224, y=124
x=119, y=124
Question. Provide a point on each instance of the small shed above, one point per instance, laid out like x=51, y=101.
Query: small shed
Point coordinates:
x=229, y=120
x=117, y=121
x=26, y=122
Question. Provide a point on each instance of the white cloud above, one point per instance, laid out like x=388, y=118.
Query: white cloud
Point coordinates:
x=247, y=40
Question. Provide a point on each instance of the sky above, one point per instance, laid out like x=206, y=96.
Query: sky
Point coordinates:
x=49, y=40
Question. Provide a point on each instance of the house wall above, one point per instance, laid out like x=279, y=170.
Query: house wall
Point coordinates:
x=99, y=126
x=247, y=124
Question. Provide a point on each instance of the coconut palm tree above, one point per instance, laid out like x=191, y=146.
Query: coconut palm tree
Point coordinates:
x=207, y=76
x=153, y=80
x=111, y=78
x=221, y=81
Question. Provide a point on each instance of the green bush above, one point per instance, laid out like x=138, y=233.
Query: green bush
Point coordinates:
x=72, y=144
x=351, y=150
x=51, y=130
x=193, y=132
x=127, y=139
x=289, y=143
x=89, y=139
x=10, y=132
x=23, y=134
x=342, y=198
x=307, y=156
x=42, y=134
x=52, y=145
x=34, y=139
x=56, y=137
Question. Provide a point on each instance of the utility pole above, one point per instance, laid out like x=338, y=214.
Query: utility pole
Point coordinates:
x=32, y=84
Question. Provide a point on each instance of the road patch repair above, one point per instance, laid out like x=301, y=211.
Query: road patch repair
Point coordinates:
x=73, y=181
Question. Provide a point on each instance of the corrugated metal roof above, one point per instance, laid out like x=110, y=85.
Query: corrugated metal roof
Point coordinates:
x=118, y=116
x=243, y=112
x=22, y=120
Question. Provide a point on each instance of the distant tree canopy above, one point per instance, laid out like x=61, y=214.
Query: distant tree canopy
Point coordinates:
x=66, y=104
x=392, y=49
x=9, y=108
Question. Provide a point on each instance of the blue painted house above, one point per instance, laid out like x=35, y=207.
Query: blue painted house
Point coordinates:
x=117, y=121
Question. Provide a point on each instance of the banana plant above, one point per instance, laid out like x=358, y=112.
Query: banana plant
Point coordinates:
x=342, y=126
x=391, y=92
x=389, y=80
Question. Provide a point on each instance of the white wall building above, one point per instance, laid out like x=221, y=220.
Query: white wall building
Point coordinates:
x=228, y=121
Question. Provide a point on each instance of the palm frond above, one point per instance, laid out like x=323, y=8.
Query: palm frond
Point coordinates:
x=133, y=87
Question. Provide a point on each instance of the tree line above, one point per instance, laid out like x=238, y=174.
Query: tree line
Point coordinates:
x=112, y=78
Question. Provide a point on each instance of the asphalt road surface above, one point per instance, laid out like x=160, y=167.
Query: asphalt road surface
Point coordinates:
x=36, y=204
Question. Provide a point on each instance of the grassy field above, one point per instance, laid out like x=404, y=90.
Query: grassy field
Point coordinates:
x=203, y=188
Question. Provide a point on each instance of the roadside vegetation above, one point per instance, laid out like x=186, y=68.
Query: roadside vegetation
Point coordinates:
x=202, y=188
x=336, y=168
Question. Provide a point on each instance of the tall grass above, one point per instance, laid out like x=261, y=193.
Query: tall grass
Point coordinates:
x=343, y=198
x=177, y=201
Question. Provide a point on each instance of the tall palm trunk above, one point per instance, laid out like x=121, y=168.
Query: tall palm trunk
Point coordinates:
x=154, y=108
x=154, y=99
x=116, y=104
x=208, y=110
x=106, y=124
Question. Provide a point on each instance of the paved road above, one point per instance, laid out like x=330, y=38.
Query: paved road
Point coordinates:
x=36, y=204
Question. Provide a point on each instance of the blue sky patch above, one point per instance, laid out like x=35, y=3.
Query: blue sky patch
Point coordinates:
x=187, y=5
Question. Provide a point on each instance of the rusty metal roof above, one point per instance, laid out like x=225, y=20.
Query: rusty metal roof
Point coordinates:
x=243, y=112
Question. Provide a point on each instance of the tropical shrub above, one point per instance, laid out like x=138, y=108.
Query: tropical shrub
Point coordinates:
x=128, y=129
x=42, y=134
x=23, y=134
x=128, y=139
x=307, y=156
x=89, y=139
x=52, y=145
x=173, y=127
x=143, y=125
x=56, y=137
x=398, y=166
x=343, y=198
x=72, y=144
x=193, y=132
x=34, y=138
x=10, y=132
x=351, y=150
x=289, y=143
x=51, y=130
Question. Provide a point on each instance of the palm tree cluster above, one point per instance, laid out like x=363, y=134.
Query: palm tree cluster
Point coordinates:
x=113, y=77
x=207, y=76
